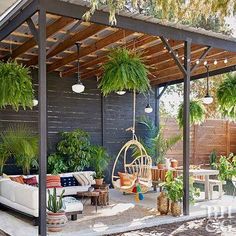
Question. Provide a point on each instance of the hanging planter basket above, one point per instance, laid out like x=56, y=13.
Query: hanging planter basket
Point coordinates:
x=15, y=86
x=197, y=113
x=226, y=96
x=124, y=70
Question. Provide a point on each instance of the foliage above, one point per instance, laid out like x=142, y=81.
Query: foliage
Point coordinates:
x=226, y=167
x=167, y=9
x=21, y=143
x=196, y=113
x=99, y=161
x=55, y=204
x=226, y=96
x=4, y=155
x=124, y=70
x=76, y=148
x=15, y=86
x=56, y=164
x=213, y=158
x=174, y=188
x=155, y=143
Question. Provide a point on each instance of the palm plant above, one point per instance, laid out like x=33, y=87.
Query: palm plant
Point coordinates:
x=4, y=155
x=21, y=143
x=124, y=70
x=226, y=96
x=15, y=86
x=196, y=111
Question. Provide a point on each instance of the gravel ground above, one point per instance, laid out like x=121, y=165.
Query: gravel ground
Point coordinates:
x=200, y=227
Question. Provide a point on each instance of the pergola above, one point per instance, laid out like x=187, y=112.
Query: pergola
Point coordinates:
x=43, y=34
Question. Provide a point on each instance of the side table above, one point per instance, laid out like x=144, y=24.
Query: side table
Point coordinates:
x=91, y=195
x=103, y=199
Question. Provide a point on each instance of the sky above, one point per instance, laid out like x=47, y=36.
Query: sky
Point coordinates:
x=232, y=22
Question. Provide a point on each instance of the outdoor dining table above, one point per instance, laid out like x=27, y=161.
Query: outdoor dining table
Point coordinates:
x=205, y=173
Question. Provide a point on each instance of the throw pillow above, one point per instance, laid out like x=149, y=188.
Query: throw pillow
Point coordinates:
x=126, y=179
x=53, y=181
x=82, y=179
x=31, y=181
x=5, y=176
x=18, y=179
x=69, y=181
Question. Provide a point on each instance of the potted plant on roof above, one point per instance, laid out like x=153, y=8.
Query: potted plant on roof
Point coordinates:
x=99, y=162
x=197, y=113
x=56, y=217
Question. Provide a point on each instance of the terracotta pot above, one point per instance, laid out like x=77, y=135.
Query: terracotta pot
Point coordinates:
x=174, y=164
x=175, y=209
x=163, y=204
x=99, y=181
x=160, y=166
x=56, y=221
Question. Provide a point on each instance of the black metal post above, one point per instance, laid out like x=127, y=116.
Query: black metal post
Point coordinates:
x=102, y=120
x=186, y=127
x=42, y=121
x=157, y=107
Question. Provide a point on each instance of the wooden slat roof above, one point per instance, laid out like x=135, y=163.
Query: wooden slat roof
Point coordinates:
x=96, y=40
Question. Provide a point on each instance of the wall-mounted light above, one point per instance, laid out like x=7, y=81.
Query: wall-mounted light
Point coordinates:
x=208, y=99
x=121, y=92
x=148, y=108
x=79, y=87
x=35, y=102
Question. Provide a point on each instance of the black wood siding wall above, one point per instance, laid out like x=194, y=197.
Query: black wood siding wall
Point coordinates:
x=105, y=118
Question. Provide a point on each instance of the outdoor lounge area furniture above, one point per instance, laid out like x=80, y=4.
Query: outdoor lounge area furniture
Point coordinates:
x=72, y=207
x=93, y=195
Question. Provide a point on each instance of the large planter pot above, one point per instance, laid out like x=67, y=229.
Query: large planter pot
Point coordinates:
x=163, y=203
x=99, y=181
x=174, y=163
x=56, y=221
x=160, y=166
x=175, y=209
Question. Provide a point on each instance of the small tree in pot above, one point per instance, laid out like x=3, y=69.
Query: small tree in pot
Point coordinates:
x=99, y=162
x=56, y=217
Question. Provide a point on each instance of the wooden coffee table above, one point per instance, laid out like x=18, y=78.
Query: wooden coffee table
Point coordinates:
x=91, y=195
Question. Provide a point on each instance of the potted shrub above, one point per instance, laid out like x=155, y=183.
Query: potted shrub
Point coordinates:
x=213, y=159
x=124, y=70
x=226, y=96
x=196, y=112
x=99, y=162
x=56, y=217
x=22, y=144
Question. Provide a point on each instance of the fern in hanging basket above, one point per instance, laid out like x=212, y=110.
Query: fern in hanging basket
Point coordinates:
x=197, y=113
x=226, y=96
x=124, y=70
x=15, y=86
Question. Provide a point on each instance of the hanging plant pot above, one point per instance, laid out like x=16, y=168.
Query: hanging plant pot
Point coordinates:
x=196, y=112
x=163, y=203
x=124, y=70
x=226, y=96
x=15, y=86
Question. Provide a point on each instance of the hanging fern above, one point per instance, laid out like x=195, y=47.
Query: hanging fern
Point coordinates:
x=15, y=86
x=196, y=111
x=226, y=96
x=124, y=70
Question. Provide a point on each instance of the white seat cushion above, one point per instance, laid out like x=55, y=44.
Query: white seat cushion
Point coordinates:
x=71, y=204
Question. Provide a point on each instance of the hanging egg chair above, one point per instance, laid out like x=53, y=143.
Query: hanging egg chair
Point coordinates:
x=138, y=170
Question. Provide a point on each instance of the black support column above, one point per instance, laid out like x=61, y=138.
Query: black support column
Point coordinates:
x=186, y=127
x=42, y=120
x=157, y=107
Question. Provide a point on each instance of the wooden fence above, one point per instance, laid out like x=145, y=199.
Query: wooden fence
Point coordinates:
x=212, y=134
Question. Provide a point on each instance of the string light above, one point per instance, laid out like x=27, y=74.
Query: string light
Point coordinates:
x=197, y=62
x=182, y=58
x=177, y=53
x=215, y=62
x=164, y=48
x=225, y=60
x=205, y=63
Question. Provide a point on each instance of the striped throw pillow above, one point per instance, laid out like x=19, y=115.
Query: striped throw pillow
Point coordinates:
x=82, y=179
x=53, y=181
x=18, y=179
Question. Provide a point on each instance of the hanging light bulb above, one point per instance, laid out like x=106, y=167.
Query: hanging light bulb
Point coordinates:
x=197, y=62
x=215, y=62
x=148, y=108
x=225, y=60
x=205, y=63
x=35, y=102
x=207, y=99
x=177, y=53
x=121, y=92
x=79, y=87
x=182, y=58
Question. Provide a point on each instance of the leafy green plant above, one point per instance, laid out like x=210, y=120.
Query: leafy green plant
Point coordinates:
x=4, y=155
x=155, y=143
x=226, y=167
x=15, y=86
x=196, y=112
x=226, y=96
x=57, y=164
x=124, y=70
x=22, y=144
x=99, y=161
x=213, y=158
x=54, y=203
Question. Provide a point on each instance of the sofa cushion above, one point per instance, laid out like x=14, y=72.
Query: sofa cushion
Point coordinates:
x=31, y=181
x=72, y=190
x=18, y=179
x=82, y=179
x=53, y=181
x=7, y=189
x=69, y=181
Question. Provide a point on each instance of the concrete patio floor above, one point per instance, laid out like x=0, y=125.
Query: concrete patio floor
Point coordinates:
x=123, y=214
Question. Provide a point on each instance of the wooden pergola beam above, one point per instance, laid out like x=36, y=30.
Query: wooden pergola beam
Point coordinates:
x=110, y=39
